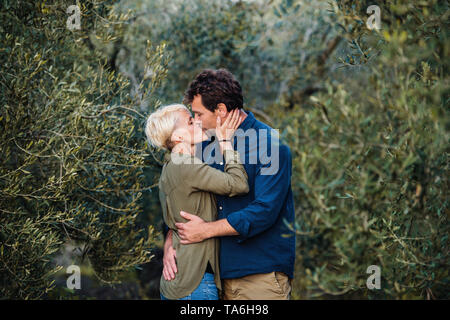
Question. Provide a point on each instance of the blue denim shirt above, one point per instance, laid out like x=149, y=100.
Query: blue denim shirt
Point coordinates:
x=261, y=217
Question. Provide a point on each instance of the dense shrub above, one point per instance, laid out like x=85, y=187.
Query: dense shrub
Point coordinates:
x=72, y=156
x=371, y=158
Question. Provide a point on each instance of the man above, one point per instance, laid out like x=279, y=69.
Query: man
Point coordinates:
x=257, y=248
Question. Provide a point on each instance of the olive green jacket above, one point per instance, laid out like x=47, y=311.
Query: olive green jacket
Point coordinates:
x=188, y=184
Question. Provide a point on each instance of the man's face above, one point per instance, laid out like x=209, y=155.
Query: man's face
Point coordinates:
x=207, y=118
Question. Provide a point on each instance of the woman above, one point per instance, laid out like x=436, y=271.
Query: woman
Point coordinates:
x=188, y=184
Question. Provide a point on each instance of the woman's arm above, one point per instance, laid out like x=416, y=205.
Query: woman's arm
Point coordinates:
x=233, y=180
x=169, y=258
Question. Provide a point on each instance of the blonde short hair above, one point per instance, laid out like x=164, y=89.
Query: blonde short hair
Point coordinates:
x=160, y=125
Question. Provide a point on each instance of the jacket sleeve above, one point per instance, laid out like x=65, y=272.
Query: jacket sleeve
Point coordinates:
x=233, y=181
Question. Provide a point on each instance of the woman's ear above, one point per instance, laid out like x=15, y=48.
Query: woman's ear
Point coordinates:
x=176, y=137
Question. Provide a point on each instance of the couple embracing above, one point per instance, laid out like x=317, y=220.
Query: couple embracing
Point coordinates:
x=227, y=206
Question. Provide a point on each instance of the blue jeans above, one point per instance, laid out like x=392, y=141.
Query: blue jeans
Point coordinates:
x=206, y=290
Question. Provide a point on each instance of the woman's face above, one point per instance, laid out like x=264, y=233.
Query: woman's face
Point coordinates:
x=187, y=130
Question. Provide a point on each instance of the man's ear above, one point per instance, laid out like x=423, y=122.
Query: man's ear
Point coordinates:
x=222, y=110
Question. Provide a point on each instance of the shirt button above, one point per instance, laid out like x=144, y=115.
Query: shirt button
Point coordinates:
x=221, y=163
x=220, y=208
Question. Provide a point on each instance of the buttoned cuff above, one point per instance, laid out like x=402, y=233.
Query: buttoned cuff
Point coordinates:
x=242, y=226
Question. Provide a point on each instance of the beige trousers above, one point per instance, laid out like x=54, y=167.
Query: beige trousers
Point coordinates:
x=261, y=286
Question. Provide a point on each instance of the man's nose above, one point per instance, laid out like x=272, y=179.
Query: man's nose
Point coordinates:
x=198, y=123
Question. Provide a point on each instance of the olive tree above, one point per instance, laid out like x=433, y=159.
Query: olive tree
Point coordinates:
x=72, y=153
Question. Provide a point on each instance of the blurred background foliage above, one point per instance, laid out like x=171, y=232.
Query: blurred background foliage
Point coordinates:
x=365, y=113
x=73, y=156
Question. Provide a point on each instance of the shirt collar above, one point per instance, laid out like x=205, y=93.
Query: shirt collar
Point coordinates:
x=248, y=121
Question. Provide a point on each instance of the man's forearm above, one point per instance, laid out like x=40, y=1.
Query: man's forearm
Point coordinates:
x=220, y=228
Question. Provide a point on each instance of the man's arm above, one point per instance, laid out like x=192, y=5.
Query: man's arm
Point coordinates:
x=197, y=230
x=270, y=192
x=260, y=214
x=220, y=228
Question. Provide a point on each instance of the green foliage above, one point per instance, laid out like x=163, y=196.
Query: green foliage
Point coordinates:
x=371, y=159
x=72, y=155
x=198, y=34
x=270, y=46
x=365, y=113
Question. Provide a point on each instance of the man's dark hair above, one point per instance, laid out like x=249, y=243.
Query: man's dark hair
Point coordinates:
x=215, y=86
